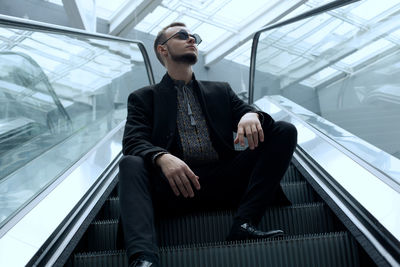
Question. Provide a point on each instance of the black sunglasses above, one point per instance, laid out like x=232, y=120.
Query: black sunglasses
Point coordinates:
x=183, y=35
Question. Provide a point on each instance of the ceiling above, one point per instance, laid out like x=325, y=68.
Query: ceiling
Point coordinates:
x=227, y=26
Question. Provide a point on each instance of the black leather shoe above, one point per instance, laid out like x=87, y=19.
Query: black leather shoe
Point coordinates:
x=142, y=263
x=247, y=231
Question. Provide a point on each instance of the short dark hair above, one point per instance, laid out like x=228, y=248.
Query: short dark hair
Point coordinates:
x=161, y=37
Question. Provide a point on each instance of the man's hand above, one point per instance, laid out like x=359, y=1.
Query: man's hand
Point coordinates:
x=178, y=174
x=249, y=126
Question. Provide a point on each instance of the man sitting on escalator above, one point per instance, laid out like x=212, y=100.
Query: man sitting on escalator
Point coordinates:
x=179, y=152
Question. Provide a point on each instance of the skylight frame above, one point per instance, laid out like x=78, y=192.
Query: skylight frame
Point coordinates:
x=209, y=11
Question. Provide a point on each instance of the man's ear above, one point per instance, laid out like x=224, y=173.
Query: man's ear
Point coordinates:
x=162, y=50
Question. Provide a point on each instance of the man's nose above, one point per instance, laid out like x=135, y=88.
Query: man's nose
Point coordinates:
x=191, y=39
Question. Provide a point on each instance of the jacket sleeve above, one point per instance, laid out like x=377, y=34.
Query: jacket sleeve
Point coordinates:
x=239, y=108
x=138, y=128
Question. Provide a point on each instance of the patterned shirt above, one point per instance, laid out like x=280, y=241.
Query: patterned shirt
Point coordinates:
x=193, y=131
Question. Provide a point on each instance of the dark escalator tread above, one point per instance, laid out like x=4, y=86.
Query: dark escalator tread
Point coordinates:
x=104, y=258
x=214, y=226
x=297, y=192
x=292, y=175
x=114, y=193
x=110, y=209
x=333, y=249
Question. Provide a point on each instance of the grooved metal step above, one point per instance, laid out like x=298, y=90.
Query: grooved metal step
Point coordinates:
x=292, y=175
x=333, y=249
x=297, y=192
x=214, y=226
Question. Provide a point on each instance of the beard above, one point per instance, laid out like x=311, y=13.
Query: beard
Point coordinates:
x=190, y=59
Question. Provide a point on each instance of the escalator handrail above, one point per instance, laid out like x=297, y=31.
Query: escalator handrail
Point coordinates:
x=308, y=14
x=380, y=241
x=73, y=175
x=41, y=26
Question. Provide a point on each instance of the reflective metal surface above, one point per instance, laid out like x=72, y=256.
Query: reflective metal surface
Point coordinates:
x=377, y=197
x=61, y=92
x=387, y=164
x=63, y=95
x=20, y=243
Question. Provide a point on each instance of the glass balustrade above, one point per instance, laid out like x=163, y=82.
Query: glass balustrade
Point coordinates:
x=344, y=66
x=60, y=94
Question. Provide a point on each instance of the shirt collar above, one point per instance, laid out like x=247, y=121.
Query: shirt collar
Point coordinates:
x=181, y=83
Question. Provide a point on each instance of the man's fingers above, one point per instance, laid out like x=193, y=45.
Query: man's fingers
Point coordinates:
x=260, y=132
x=173, y=186
x=255, y=135
x=181, y=185
x=249, y=136
x=240, y=136
x=187, y=185
x=193, y=177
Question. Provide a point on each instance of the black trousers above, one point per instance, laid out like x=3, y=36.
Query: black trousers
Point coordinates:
x=249, y=183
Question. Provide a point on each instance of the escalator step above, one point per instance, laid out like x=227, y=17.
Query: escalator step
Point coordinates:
x=214, y=226
x=297, y=192
x=110, y=209
x=323, y=250
x=292, y=175
x=114, y=193
x=103, y=259
x=333, y=249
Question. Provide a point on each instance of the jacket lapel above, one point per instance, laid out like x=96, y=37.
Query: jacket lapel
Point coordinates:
x=201, y=93
x=204, y=95
x=165, y=111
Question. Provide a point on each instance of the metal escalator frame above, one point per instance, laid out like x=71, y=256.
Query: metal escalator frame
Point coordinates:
x=345, y=207
x=377, y=241
x=46, y=249
x=368, y=231
x=58, y=247
x=69, y=216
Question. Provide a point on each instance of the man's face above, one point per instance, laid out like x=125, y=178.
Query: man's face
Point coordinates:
x=182, y=51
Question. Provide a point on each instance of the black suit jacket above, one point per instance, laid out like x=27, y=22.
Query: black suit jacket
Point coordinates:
x=152, y=111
